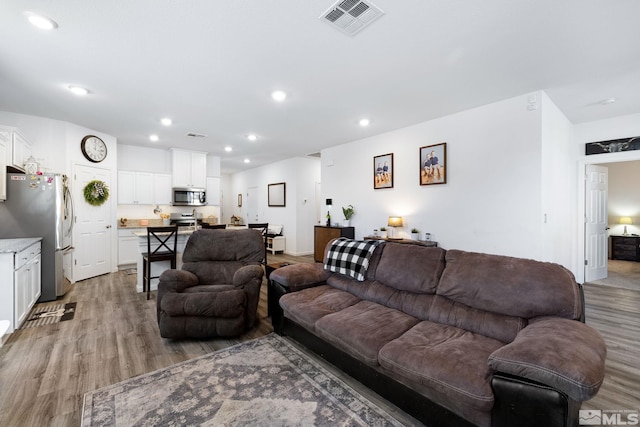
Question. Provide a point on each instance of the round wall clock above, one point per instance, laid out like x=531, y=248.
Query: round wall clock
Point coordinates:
x=93, y=148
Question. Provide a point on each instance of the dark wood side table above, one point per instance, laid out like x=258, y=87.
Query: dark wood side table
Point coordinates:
x=429, y=243
x=274, y=291
x=323, y=234
x=625, y=248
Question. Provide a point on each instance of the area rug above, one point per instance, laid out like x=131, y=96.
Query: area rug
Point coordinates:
x=46, y=315
x=265, y=382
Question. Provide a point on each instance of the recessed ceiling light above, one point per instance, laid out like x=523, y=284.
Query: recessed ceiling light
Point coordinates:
x=77, y=90
x=364, y=122
x=154, y=138
x=252, y=137
x=228, y=149
x=41, y=22
x=247, y=160
x=166, y=121
x=279, y=95
x=608, y=101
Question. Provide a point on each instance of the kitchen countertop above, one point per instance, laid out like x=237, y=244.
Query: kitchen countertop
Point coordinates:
x=16, y=245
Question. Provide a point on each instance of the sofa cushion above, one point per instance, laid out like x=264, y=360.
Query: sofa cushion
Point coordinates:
x=350, y=257
x=446, y=359
x=226, y=303
x=410, y=267
x=305, y=307
x=510, y=286
x=363, y=328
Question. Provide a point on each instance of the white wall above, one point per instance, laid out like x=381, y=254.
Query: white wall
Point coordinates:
x=297, y=217
x=559, y=199
x=624, y=197
x=492, y=199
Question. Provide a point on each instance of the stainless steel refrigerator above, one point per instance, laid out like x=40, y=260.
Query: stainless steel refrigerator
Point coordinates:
x=41, y=206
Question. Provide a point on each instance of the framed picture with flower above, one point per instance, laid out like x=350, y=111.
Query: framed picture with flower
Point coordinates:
x=383, y=171
x=433, y=164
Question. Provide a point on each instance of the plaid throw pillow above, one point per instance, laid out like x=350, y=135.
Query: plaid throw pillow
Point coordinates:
x=350, y=257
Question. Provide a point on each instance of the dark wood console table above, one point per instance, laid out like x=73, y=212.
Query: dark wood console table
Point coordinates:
x=323, y=234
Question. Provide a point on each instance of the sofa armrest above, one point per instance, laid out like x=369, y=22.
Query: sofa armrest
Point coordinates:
x=565, y=354
x=176, y=280
x=295, y=277
x=247, y=274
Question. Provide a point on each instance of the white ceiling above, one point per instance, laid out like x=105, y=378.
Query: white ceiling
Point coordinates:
x=211, y=66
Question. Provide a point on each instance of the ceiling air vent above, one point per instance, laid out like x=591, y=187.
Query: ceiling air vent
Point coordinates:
x=351, y=16
x=195, y=135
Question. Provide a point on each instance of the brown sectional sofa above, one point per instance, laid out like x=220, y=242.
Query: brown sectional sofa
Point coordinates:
x=452, y=337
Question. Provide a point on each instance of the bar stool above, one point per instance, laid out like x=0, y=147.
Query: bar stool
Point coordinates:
x=166, y=239
x=262, y=227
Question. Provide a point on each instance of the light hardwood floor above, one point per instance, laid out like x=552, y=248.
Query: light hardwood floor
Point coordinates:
x=45, y=371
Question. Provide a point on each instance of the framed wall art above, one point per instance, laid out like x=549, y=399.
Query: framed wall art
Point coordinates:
x=277, y=194
x=383, y=171
x=433, y=164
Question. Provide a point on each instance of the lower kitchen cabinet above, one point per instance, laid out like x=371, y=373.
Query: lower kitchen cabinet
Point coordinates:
x=128, y=246
x=20, y=279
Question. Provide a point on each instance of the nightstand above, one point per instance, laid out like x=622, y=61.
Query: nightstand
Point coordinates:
x=625, y=248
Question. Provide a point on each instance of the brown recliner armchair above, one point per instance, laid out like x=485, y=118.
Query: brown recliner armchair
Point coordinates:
x=217, y=290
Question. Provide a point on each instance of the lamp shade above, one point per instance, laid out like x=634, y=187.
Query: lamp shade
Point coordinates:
x=625, y=220
x=395, y=221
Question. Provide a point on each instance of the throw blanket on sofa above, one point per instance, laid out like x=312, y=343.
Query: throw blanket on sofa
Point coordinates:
x=350, y=257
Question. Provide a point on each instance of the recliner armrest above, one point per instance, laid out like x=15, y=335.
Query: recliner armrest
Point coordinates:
x=295, y=277
x=565, y=354
x=176, y=280
x=246, y=274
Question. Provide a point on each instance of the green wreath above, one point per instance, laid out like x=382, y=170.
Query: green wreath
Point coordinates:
x=96, y=193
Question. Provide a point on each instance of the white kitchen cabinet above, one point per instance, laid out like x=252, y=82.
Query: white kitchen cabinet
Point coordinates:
x=128, y=246
x=5, y=140
x=189, y=168
x=17, y=148
x=20, y=276
x=162, y=189
x=135, y=188
x=213, y=191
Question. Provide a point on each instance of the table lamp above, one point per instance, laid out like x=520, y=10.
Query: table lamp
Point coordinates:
x=394, y=221
x=626, y=221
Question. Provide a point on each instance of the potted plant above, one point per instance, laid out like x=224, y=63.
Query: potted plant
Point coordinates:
x=348, y=213
x=383, y=232
x=415, y=233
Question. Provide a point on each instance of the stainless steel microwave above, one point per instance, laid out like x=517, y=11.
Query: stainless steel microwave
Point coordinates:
x=189, y=196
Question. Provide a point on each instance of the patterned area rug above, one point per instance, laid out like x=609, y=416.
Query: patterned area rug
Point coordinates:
x=46, y=315
x=265, y=382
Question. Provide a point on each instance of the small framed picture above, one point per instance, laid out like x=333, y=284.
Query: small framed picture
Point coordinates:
x=433, y=164
x=277, y=194
x=383, y=171
x=240, y=200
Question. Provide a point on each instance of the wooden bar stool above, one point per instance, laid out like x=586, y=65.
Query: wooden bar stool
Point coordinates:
x=166, y=239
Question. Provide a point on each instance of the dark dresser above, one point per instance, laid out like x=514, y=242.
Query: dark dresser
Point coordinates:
x=625, y=248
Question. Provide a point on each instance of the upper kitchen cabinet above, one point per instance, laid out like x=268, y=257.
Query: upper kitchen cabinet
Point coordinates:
x=189, y=168
x=18, y=149
x=3, y=167
x=135, y=188
x=213, y=191
x=162, y=189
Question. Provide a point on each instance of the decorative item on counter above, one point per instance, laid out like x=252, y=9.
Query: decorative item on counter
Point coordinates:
x=144, y=222
x=415, y=233
x=236, y=220
x=348, y=213
x=123, y=221
x=96, y=192
x=165, y=219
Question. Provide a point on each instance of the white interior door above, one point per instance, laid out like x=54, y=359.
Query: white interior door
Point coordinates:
x=596, y=223
x=93, y=234
x=252, y=205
